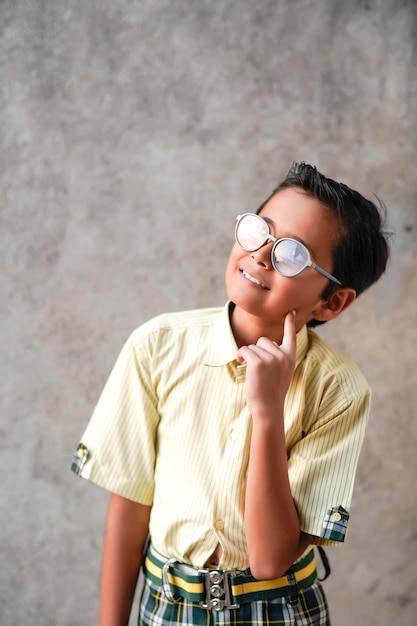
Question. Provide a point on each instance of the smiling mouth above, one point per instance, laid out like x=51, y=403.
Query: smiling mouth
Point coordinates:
x=254, y=280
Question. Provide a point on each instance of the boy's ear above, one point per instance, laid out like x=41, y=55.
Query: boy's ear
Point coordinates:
x=340, y=300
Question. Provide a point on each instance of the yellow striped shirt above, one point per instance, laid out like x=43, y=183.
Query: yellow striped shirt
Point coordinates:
x=172, y=430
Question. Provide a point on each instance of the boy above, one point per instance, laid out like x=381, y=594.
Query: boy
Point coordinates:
x=231, y=436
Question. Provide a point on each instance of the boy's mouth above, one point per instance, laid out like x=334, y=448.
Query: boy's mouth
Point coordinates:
x=254, y=280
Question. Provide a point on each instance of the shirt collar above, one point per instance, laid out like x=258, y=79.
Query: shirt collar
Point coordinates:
x=221, y=345
x=302, y=345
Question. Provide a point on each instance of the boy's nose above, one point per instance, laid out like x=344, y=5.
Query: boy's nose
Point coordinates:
x=263, y=255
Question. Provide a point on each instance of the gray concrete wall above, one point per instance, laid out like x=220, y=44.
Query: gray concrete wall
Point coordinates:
x=132, y=133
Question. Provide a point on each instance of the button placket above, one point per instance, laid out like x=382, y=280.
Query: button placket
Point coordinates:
x=225, y=516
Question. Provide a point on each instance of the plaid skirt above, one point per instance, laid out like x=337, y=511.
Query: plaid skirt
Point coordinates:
x=311, y=610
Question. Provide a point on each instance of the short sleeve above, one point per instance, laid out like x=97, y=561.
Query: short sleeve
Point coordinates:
x=117, y=449
x=322, y=464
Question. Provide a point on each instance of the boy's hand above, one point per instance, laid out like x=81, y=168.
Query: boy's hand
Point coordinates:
x=269, y=371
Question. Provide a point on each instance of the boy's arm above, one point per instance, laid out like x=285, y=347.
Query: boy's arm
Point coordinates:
x=124, y=540
x=272, y=526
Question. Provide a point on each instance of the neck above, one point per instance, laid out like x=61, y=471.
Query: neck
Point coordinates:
x=248, y=328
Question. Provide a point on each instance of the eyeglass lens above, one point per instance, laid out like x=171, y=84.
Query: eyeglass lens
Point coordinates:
x=251, y=232
x=289, y=257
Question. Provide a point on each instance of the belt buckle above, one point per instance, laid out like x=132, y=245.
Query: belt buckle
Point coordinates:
x=217, y=589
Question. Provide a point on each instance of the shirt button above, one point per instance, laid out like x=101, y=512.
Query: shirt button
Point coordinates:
x=219, y=524
x=336, y=517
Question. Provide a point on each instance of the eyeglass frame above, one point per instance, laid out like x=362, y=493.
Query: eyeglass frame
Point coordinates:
x=270, y=237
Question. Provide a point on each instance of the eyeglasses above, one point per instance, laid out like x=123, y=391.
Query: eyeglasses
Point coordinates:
x=289, y=257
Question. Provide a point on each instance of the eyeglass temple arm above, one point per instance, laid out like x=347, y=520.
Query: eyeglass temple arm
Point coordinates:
x=326, y=274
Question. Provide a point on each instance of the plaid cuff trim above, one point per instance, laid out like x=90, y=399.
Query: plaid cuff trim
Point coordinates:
x=79, y=459
x=335, y=524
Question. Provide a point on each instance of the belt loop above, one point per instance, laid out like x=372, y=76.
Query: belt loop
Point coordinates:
x=326, y=564
x=293, y=595
x=165, y=582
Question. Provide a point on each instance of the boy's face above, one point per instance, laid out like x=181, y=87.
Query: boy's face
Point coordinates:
x=257, y=288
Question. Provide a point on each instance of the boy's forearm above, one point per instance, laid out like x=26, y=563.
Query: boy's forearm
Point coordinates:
x=126, y=533
x=271, y=522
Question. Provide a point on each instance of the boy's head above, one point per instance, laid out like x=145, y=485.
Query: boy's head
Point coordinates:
x=361, y=250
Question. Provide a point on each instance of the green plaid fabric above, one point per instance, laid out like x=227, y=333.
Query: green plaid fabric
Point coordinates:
x=335, y=524
x=79, y=459
x=311, y=610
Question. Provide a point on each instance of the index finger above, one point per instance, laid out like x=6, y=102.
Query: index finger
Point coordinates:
x=289, y=342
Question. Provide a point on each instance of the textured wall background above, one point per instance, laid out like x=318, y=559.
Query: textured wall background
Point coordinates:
x=132, y=133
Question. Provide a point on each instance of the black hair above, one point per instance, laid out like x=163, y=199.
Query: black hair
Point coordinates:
x=361, y=251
